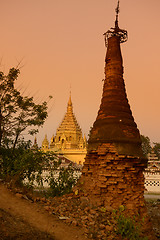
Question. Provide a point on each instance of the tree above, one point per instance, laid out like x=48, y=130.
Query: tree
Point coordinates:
x=24, y=166
x=156, y=149
x=146, y=145
x=17, y=112
x=19, y=163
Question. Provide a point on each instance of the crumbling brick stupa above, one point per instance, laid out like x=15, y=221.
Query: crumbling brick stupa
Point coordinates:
x=112, y=175
x=114, y=165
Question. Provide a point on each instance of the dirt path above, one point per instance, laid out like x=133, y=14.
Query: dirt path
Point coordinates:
x=32, y=215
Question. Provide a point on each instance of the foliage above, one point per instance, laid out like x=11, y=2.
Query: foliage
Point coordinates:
x=127, y=227
x=27, y=166
x=146, y=145
x=156, y=149
x=22, y=165
x=17, y=112
x=90, y=131
x=64, y=182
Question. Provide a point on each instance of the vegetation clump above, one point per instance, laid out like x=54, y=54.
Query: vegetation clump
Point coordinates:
x=127, y=227
x=19, y=163
x=35, y=168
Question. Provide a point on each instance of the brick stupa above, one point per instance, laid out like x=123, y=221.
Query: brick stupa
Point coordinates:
x=113, y=170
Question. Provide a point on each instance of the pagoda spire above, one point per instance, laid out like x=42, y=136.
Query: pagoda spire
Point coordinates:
x=116, y=31
x=115, y=123
x=70, y=101
x=70, y=106
x=69, y=121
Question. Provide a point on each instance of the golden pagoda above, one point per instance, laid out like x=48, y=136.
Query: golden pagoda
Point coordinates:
x=45, y=143
x=68, y=140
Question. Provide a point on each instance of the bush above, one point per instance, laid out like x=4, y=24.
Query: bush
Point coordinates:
x=64, y=182
x=25, y=166
x=22, y=164
x=127, y=227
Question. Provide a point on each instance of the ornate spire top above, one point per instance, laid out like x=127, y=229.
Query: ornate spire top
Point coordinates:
x=45, y=142
x=116, y=31
x=45, y=139
x=70, y=101
x=69, y=122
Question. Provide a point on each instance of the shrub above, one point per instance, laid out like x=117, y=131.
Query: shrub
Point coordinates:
x=26, y=166
x=64, y=182
x=22, y=164
x=127, y=227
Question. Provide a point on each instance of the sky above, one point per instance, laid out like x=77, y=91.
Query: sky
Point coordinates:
x=59, y=45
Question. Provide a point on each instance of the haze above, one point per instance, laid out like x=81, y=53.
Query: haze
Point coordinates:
x=60, y=45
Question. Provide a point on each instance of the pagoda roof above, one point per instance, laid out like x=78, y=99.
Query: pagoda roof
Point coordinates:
x=69, y=122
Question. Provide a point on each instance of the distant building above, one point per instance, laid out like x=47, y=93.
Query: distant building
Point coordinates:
x=35, y=145
x=64, y=163
x=152, y=173
x=68, y=140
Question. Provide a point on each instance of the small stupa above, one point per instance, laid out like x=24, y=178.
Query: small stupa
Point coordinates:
x=45, y=143
x=35, y=145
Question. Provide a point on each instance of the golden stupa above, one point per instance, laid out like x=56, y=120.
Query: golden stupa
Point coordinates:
x=68, y=140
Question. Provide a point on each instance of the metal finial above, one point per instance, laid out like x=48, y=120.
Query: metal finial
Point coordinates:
x=117, y=8
x=116, y=31
x=117, y=11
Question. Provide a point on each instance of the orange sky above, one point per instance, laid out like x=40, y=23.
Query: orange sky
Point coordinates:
x=61, y=43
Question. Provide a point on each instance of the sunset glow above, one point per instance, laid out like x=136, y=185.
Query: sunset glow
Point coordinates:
x=60, y=46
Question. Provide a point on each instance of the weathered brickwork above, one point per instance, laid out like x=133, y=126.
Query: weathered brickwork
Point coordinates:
x=112, y=180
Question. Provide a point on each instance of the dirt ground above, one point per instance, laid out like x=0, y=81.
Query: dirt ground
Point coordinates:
x=153, y=207
x=24, y=220
x=14, y=227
